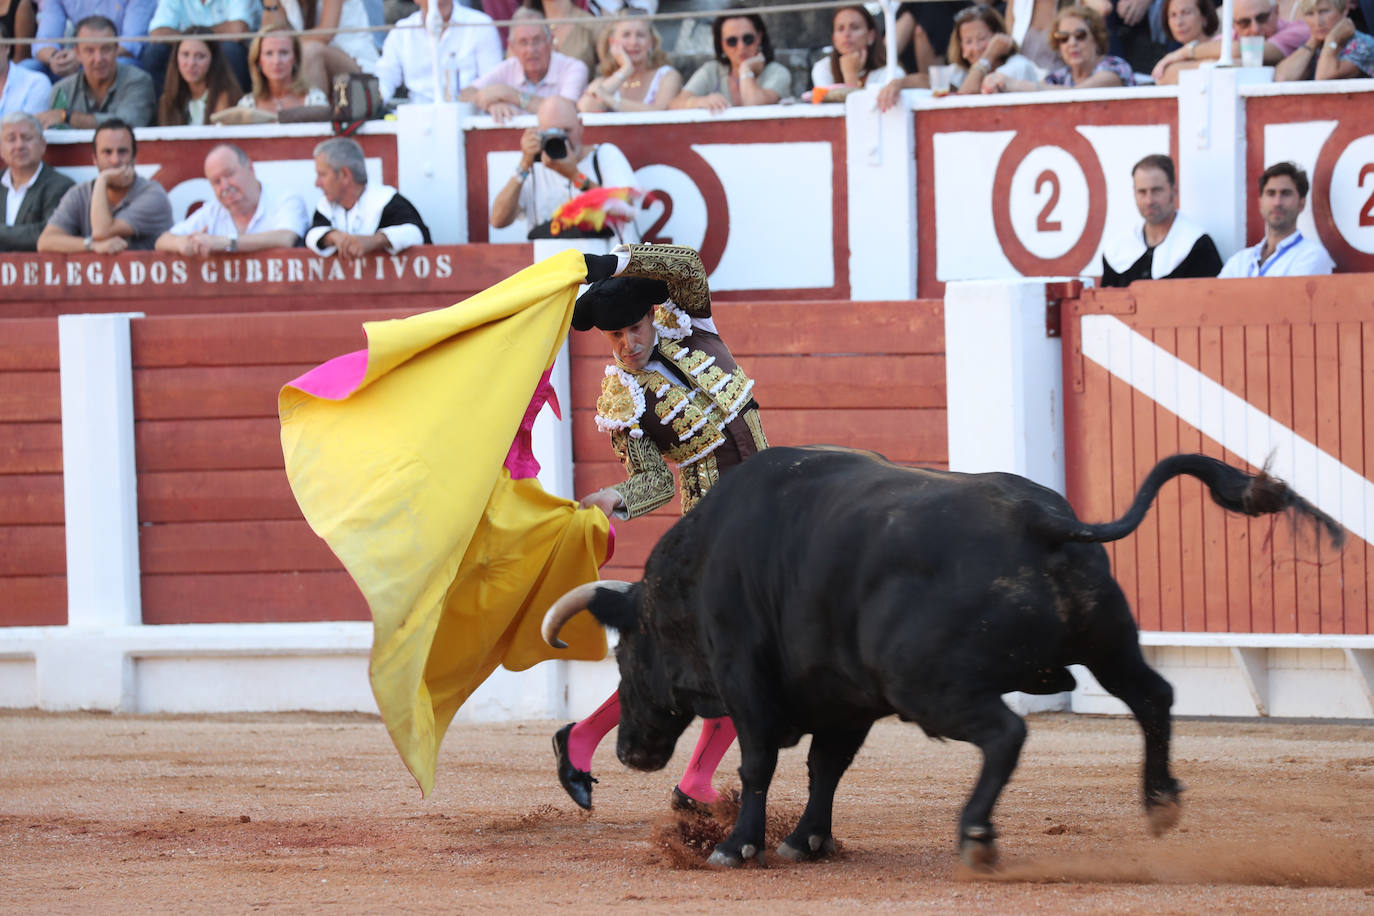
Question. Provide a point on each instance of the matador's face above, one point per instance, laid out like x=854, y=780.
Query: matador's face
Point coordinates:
x=633, y=345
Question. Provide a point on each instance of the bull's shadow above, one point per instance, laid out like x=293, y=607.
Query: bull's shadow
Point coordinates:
x=816, y=590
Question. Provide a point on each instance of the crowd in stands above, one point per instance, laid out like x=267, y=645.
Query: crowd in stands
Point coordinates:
x=242, y=61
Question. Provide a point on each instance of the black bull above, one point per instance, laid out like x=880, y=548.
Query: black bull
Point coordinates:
x=816, y=590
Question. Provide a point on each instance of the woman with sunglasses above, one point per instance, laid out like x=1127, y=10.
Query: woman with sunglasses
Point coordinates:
x=1080, y=37
x=1282, y=37
x=743, y=73
x=856, y=53
x=1190, y=22
x=1336, y=51
x=978, y=47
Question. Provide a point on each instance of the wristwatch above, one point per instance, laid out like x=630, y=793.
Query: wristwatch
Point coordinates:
x=89, y=243
x=233, y=244
x=984, y=65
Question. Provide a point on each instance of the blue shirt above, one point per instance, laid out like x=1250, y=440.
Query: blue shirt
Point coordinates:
x=129, y=16
x=181, y=15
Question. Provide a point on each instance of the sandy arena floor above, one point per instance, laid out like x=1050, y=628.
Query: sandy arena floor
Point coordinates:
x=303, y=813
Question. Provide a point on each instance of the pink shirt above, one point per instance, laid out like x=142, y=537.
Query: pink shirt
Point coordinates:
x=567, y=77
x=1287, y=37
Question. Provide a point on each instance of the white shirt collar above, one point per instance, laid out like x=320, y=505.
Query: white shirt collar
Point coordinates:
x=8, y=182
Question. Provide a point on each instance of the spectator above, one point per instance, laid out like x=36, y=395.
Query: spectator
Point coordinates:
x=1167, y=245
x=1080, y=37
x=467, y=47
x=575, y=39
x=1190, y=22
x=129, y=17
x=21, y=89
x=1137, y=28
x=274, y=64
x=533, y=72
x=102, y=89
x=223, y=17
x=1250, y=17
x=545, y=179
x=921, y=30
x=354, y=218
x=635, y=74
x=118, y=209
x=199, y=82
x=29, y=190
x=1031, y=23
x=1335, y=51
x=856, y=53
x=245, y=215
x=743, y=73
x=978, y=45
x=20, y=21
x=324, y=57
x=1283, y=252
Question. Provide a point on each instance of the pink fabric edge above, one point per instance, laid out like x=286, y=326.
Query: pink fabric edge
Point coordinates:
x=336, y=379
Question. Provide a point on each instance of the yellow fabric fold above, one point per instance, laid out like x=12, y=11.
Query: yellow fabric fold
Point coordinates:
x=404, y=478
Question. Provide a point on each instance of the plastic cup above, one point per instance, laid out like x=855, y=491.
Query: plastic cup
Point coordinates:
x=1252, y=51
x=940, y=79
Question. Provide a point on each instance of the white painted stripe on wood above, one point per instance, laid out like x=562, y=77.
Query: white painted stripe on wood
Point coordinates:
x=1318, y=476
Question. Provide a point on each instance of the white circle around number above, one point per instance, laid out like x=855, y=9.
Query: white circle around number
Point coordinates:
x=680, y=219
x=1048, y=202
x=1352, y=194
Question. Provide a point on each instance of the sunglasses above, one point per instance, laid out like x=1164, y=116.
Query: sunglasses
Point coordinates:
x=1076, y=35
x=734, y=40
x=1259, y=19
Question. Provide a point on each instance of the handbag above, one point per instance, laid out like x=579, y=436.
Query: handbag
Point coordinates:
x=357, y=97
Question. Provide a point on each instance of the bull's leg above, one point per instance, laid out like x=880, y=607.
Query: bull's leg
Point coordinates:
x=758, y=760
x=831, y=754
x=1130, y=679
x=999, y=733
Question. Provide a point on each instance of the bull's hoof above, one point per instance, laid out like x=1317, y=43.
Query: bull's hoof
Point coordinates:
x=1163, y=812
x=978, y=849
x=813, y=846
x=724, y=858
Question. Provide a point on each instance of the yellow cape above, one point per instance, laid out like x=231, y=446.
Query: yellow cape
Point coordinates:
x=400, y=468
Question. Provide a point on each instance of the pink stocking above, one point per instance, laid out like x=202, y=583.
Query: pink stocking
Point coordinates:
x=716, y=737
x=587, y=734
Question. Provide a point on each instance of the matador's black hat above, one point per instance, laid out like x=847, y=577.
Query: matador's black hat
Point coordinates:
x=617, y=302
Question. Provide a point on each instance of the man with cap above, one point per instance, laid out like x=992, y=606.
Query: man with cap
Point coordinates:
x=673, y=393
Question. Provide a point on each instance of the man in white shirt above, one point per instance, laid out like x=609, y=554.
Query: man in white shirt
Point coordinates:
x=29, y=190
x=245, y=215
x=353, y=217
x=533, y=72
x=555, y=167
x=20, y=89
x=1284, y=251
x=468, y=46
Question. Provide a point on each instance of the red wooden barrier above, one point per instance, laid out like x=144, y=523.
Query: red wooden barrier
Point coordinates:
x=1300, y=350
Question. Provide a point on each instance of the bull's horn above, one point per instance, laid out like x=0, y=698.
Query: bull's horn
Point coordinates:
x=572, y=603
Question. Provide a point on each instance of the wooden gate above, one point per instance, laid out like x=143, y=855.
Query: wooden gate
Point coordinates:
x=1249, y=371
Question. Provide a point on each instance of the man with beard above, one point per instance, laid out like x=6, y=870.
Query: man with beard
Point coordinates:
x=1168, y=245
x=1284, y=251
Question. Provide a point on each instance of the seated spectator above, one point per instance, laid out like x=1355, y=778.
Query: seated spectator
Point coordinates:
x=1137, y=30
x=274, y=64
x=1250, y=17
x=1190, y=23
x=1167, y=245
x=353, y=217
x=117, y=209
x=1030, y=23
x=468, y=46
x=245, y=215
x=922, y=29
x=199, y=82
x=743, y=73
x=635, y=74
x=55, y=60
x=102, y=89
x=223, y=17
x=856, y=53
x=21, y=89
x=556, y=169
x=1283, y=252
x=978, y=45
x=1335, y=51
x=575, y=39
x=324, y=57
x=1080, y=37
x=20, y=20
x=533, y=72
x=29, y=190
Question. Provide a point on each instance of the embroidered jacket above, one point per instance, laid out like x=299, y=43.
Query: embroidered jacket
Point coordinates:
x=692, y=404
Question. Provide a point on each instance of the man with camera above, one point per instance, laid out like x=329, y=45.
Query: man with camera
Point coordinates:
x=554, y=168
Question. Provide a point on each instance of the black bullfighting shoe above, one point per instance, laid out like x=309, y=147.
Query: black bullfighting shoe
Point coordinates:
x=577, y=783
x=684, y=802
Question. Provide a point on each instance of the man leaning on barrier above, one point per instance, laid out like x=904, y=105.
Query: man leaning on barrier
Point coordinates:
x=1167, y=245
x=29, y=189
x=355, y=218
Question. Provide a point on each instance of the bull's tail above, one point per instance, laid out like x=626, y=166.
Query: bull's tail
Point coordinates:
x=1231, y=488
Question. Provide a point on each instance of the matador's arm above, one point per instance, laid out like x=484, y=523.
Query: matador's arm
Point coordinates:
x=650, y=483
x=676, y=265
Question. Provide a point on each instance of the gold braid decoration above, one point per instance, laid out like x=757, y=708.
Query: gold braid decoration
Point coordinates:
x=650, y=483
x=678, y=266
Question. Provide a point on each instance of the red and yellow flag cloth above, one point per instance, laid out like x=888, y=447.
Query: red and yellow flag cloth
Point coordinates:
x=408, y=458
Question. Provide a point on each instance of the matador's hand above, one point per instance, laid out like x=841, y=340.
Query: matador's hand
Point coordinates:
x=601, y=266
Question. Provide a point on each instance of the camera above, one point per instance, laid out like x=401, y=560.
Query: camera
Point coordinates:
x=554, y=142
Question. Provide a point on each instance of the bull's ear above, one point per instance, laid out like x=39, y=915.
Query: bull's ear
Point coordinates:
x=615, y=608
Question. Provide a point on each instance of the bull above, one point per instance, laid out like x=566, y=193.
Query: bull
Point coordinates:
x=816, y=590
